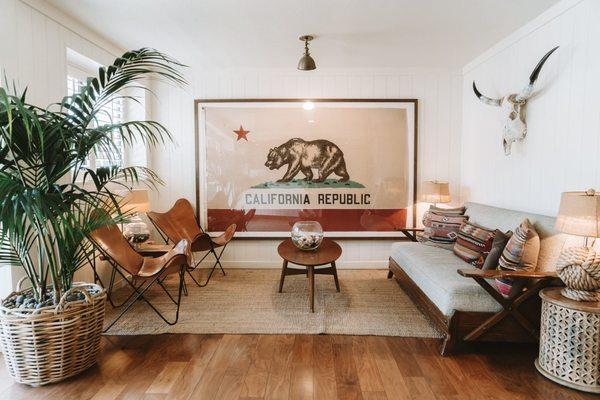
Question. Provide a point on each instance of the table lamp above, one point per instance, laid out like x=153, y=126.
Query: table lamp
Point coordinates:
x=134, y=202
x=579, y=267
x=436, y=192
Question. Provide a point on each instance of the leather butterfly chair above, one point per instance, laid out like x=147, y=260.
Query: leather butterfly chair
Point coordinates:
x=180, y=223
x=111, y=243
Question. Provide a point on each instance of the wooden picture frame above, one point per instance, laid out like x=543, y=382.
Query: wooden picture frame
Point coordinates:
x=202, y=105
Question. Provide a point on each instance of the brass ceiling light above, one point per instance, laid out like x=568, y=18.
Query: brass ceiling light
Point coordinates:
x=306, y=63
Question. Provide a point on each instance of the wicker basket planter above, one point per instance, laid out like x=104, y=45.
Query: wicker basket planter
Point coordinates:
x=49, y=344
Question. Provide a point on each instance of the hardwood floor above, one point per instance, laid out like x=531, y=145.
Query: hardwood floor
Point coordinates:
x=297, y=367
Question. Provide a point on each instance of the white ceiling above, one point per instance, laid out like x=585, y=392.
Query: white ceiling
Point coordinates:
x=210, y=34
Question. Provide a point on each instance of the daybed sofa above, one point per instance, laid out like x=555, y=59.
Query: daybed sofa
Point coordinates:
x=460, y=299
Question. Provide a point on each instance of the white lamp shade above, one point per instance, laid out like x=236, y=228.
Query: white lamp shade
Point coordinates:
x=136, y=201
x=436, y=192
x=579, y=214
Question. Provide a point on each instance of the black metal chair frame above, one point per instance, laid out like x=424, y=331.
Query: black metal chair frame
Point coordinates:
x=190, y=269
x=136, y=294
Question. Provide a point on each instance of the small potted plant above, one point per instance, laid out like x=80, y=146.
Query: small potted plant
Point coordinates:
x=48, y=206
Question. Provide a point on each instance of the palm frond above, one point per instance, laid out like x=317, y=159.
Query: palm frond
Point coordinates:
x=44, y=220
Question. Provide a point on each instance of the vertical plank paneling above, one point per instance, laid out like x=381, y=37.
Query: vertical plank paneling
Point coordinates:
x=24, y=38
x=39, y=61
x=439, y=93
x=562, y=143
x=33, y=56
x=8, y=48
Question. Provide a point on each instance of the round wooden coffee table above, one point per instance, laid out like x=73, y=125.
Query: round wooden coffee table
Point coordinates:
x=327, y=253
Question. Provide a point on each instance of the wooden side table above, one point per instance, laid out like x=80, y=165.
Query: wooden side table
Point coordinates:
x=327, y=253
x=153, y=250
x=569, y=341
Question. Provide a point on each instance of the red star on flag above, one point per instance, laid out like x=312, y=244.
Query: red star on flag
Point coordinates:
x=241, y=133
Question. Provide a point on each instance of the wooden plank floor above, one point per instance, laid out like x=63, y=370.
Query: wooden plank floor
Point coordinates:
x=297, y=367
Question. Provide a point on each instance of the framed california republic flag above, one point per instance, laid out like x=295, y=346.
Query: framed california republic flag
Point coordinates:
x=266, y=164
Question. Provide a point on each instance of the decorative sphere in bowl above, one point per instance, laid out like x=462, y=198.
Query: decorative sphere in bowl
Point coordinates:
x=136, y=231
x=307, y=235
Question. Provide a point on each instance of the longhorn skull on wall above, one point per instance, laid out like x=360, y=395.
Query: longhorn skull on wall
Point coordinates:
x=515, y=127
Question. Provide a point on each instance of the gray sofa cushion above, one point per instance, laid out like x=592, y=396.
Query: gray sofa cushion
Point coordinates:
x=433, y=270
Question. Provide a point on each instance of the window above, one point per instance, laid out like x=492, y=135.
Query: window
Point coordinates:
x=79, y=68
x=111, y=113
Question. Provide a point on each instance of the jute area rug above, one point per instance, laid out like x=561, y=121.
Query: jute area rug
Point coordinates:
x=247, y=301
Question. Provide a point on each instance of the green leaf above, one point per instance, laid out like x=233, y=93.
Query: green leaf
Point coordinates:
x=44, y=219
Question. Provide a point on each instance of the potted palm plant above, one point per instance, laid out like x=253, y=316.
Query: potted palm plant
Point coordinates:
x=49, y=203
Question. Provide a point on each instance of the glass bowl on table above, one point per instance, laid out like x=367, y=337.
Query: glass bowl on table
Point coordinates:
x=307, y=235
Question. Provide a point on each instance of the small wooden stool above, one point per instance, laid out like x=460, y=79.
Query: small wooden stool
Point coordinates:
x=327, y=253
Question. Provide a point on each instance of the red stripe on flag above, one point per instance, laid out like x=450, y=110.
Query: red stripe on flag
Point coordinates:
x=335, y=220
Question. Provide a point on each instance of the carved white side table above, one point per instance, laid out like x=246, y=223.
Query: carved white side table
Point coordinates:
x=569, y=341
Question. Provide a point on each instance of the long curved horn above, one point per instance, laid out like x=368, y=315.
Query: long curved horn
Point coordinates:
x=536, y=71
x=486, y=100
x=526, y=92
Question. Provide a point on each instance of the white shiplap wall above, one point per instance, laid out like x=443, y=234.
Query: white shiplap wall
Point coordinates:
x=34, y=50
x=562, y=146
x=33, y=55
x=438, y=92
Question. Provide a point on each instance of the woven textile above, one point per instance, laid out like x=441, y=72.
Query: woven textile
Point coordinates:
x=521, y=252
x=522, y=249
x=473, y=243
x=441, y=226
x=448, y=211
x=247, y=301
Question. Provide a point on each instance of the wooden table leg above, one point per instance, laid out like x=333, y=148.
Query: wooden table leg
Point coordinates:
x=335, y=277
x=311, y=287
x=285, y=263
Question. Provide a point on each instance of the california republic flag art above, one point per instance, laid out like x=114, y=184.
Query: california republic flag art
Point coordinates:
x=349, y=166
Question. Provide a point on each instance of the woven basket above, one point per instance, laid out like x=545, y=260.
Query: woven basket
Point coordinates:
x=50, y=344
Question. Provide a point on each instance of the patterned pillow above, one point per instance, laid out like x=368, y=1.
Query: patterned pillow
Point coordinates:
x=521, y=253
x=441, y=229
x=473, y=243
x=448, y=211
x=522, y=250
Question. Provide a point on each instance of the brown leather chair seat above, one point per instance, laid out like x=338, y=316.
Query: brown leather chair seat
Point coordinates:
x=180, y=223
x=127, y=262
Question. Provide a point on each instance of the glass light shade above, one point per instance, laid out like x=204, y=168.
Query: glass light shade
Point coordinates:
x=436, y=192
x=307, y=235
x=579, y=214
x=135, y=201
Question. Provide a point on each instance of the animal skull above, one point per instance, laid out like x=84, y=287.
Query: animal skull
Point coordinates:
x=513, y=106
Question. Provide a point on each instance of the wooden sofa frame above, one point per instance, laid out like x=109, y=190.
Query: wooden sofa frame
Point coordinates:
x=518, y=321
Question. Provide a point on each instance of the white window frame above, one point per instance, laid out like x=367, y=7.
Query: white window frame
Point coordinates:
x=80, y=67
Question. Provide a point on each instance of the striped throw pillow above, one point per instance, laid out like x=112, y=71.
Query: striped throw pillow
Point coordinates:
x=521, y=253
x=522, y=249
x=473, y=243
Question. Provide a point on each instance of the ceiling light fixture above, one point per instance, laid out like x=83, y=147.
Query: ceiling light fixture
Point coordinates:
x=306, y=63
x=308, y=105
